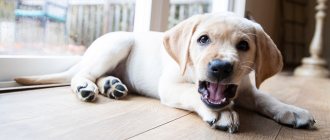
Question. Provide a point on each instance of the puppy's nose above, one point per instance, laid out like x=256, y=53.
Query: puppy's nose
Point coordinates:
x=219, y=69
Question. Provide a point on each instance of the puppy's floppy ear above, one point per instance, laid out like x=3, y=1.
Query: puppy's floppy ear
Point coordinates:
x=177, y=41
x=268, y=57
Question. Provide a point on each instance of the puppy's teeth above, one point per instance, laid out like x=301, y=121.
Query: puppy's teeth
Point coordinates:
x=205, y=96
x=223, y=100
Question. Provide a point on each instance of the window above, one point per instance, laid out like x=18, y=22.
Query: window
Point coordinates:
x=59, y=27
x=182, y=9
x=47, y=36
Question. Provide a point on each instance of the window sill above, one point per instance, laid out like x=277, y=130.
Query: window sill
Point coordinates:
x=13, y=86
x=13, y=66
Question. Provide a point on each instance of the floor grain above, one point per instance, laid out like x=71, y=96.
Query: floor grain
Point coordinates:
x=55, y=113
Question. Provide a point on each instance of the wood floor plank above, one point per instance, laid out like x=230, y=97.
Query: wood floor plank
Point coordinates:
x=57, y=114
x=252, y=126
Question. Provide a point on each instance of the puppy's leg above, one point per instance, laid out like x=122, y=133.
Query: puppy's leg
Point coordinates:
x=111, y=87
x=185, y=96
x=96, y=65
x=252, y=98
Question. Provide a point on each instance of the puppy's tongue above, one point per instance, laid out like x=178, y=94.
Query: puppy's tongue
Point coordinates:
x=216, y=91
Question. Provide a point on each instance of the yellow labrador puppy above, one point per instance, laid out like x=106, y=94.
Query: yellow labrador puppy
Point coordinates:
x=201, y=65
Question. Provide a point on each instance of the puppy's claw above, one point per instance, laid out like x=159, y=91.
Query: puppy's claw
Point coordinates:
x=233, y=128
x=212, y=122
x=309, y=125
x=230, y=128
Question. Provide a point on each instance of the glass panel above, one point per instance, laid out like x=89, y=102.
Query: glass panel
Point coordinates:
x=59, y=27
x=182, y=9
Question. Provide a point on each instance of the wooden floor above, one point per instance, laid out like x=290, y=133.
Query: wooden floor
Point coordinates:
x=55, y=113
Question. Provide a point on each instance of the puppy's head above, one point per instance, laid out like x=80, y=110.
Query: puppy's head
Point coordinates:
x=221, y=49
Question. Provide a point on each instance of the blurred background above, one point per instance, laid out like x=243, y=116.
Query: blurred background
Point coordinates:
x=68, y=27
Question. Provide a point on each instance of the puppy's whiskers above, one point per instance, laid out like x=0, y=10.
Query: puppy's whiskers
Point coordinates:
x=246, y=62
x=251, y=34
x=244, y=67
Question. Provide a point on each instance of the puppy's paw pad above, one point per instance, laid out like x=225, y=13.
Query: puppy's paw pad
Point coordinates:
x=228, y=121
x=296, y=118
x=86, y=92
x=119, y=90
x=88, y=96
x=112, y=87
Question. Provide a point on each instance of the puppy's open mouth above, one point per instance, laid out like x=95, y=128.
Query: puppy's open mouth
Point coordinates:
x=216, y=95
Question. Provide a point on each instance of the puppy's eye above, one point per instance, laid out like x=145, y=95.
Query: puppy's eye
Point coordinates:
x=242, y=46
x=204, y=40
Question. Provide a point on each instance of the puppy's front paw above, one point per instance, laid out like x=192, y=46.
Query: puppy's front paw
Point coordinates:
x=295, y=117
x=228, y=121
x=208, y=116
x=112, y=87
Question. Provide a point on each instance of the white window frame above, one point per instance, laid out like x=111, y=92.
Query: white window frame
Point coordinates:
x=236, y=6
x=149, y=16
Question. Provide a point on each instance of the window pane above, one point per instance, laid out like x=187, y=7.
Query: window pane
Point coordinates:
x=59, y=27
x=182, y=9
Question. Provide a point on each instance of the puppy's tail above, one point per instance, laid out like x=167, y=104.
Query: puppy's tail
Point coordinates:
x=56, y=78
